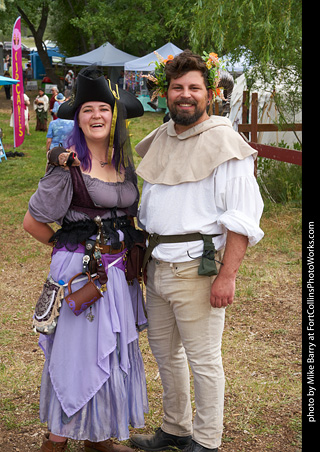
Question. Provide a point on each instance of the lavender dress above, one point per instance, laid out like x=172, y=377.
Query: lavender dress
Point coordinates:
x=93, y=383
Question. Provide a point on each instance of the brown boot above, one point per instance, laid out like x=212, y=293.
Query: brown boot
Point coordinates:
x=51, y=446
x=106, y=446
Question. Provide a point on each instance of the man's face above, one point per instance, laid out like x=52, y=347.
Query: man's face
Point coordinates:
x=187, y=100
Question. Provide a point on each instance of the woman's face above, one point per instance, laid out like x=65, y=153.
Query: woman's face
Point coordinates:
x=95, y=120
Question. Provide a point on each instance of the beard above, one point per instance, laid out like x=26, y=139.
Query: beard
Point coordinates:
x=185, y=118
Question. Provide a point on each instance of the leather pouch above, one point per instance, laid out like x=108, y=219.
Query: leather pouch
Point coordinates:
x=81, y=299
x=134, y=261
x=48, y=307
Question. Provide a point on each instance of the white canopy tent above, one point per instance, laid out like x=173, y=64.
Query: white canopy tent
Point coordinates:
x=105, y=55
x=146, y=63
x=134, y=80
x=236, y=68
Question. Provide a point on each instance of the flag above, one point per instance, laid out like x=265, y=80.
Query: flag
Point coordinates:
x=17, y=90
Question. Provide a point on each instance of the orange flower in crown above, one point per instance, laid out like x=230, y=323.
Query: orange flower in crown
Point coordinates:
x=170, y=57
x=159, y=77
x=212, y=62
x=213, y=57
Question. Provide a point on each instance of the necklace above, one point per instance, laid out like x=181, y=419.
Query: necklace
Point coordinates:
x=102, y=163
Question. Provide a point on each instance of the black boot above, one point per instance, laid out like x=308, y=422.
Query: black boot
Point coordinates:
x=160, y=441
x=196, y=447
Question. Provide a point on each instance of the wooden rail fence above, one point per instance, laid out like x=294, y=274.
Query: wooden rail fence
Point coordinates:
x=271, y=152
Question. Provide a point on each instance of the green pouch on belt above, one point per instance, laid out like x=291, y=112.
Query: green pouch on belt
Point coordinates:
x=207, y=265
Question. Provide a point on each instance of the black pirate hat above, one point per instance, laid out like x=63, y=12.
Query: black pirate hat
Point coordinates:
x=91, y=85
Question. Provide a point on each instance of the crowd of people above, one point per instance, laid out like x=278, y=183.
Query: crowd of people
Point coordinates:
x=200, y=209
x=44, y=106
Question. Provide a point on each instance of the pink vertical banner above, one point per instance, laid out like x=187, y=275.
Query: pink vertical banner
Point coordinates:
x=17, y=90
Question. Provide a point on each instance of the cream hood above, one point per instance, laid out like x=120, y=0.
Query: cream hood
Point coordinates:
x=171, y=159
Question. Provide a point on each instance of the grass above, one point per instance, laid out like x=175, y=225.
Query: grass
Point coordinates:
x=262, y=337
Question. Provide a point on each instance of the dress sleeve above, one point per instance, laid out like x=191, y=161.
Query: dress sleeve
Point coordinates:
x=51, y=201
x=132, y=177
x=238, y=199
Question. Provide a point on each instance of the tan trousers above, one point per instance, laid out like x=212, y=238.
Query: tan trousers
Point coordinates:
x=183, y=327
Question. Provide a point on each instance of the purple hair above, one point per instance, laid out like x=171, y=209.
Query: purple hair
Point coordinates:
x=78, y=140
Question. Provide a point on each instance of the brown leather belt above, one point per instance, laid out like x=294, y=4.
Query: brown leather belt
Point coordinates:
x=107, y=249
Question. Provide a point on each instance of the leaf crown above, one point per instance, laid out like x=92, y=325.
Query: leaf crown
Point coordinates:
x=160, y=80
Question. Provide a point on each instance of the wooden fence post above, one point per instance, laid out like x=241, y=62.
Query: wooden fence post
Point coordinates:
x=245, y=111
x=254, y=118
x=271, y=152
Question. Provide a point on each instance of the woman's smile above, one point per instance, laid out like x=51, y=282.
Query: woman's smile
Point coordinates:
x=95, y=120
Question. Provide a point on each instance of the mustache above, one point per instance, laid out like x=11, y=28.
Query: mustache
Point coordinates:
x=184, y=100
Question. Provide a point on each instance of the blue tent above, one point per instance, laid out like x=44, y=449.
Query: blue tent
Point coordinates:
x=8, y=81
x=37, y=66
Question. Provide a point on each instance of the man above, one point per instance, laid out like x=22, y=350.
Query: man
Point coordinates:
x=199, y=193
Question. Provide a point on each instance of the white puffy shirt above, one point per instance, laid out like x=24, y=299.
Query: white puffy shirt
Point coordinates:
x=228, y=199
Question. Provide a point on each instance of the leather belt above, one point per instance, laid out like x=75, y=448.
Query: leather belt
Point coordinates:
x=107, y=249
x=155, y=239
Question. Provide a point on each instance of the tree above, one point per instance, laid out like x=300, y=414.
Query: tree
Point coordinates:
x=134, y=26
x=35, y=16
x=270, y=34
x=269, y=30
x=61, y=30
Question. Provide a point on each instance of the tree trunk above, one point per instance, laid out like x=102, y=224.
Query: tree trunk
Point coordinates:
x=38, y=38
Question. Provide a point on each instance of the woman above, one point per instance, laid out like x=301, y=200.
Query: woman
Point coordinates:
x=26, y=113
x=93, y=383
x=41, y=105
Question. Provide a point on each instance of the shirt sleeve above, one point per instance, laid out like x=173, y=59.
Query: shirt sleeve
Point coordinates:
x=56, y=106
x=51, y=201
x=238, y=199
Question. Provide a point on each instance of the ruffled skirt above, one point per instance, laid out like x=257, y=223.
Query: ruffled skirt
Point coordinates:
x=93, y=383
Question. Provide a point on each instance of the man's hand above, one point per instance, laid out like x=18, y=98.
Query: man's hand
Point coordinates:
x=224, y=285
x=222, y=292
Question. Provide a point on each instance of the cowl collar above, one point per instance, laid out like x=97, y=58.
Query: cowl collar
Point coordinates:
x=170, y=158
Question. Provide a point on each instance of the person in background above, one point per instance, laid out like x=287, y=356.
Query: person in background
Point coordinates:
x=26, y=113
x=69, y=82
x=120, y=80
x=60, y=129
x=7, y=88
x=93, y=382
x=7, y=63
x=41, y=105
x=54, y=93
x=29, y=72
x=59, y=99
x=201, y=206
